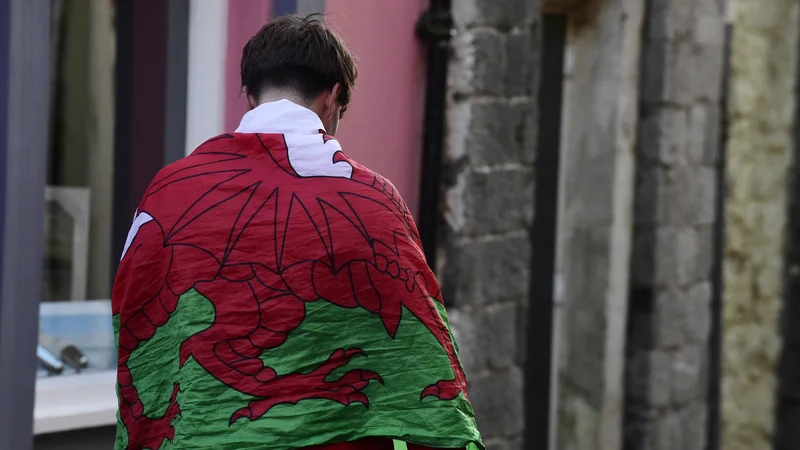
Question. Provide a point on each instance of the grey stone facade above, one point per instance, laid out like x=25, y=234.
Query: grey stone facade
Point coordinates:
x=677, y=151
x=642, y=123
x=485, y=253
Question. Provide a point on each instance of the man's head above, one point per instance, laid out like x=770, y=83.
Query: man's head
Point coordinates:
x=300, y=59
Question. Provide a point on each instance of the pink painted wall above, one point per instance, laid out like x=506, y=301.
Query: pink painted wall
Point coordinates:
x=382, y=128
x=245, y=17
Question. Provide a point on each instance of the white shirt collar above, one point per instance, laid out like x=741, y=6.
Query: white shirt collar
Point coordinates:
x=283, y=117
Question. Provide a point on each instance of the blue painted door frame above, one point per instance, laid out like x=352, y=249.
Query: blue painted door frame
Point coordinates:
x=24, y=109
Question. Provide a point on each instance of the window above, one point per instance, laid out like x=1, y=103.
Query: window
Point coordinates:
x=118, y=114
x=76, y=354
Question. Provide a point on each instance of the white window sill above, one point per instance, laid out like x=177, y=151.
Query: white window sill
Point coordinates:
x=71, y=402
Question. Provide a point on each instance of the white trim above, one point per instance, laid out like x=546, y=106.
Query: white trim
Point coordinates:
x=208, y=39
x=71, y=402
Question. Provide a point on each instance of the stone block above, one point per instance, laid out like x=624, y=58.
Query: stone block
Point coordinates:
x=693, y=423
x=479, y=62
x=667, y=319
x=670, y=256
x=522, y=76
x=697, y=304
x=489, y=13
x=522, y=333
x=648, y=378
x=668, y=20
x=655, y=84
x=663, y=135
x=492, y=131
x=676, y=196
x=704, y=133
x=679, y=316
x=669, y=429
x=505, y=444
x=667, y=432
x=466, y=328
x=498, y=402
x=688, y=375
x=703, y=62
x=675, y=135
x=688, y=196
x=487, y=338
x=487, y=271
x=680, y=72
x=500, y=332
x=490, y=202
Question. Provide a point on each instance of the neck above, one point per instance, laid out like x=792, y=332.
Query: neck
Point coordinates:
x=274, y=96
x=270, y=96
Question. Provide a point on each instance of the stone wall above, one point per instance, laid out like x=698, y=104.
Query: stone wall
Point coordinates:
x=488, y=203
x=676, y=157
x=598, y=138
x=763, y=67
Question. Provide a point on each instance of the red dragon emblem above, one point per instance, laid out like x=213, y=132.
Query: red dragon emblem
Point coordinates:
x=237, y=223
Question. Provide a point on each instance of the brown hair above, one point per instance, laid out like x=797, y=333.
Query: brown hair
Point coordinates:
x=300, y=54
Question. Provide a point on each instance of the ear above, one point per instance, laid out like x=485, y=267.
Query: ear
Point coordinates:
x=330, y=100
x=252, y=102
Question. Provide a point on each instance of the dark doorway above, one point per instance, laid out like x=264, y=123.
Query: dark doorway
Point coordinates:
x=539, y=357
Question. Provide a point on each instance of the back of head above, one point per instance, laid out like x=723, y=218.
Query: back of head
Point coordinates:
x=298, y=55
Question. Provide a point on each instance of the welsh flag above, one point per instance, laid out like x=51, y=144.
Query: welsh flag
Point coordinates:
x=273, y=293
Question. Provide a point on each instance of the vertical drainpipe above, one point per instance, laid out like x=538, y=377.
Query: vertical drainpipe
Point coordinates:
x=713, y=437
x=435, y=28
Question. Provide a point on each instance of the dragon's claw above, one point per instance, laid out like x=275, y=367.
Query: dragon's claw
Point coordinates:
x=241, y=413
x=443, y=390
x=367, y=375
x=345, y=390
x=358, y=397
x=430, y=391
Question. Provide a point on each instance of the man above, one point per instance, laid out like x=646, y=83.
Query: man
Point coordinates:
x=273, y=293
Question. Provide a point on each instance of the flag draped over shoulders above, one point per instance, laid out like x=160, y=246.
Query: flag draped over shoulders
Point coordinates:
x=274, y=291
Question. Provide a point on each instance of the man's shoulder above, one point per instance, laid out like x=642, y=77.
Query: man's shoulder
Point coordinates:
x=215, y=154
x=223, y=146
